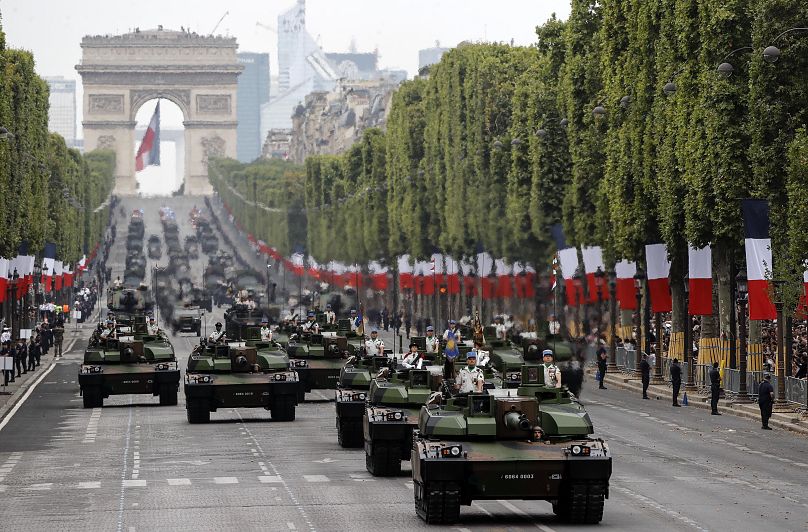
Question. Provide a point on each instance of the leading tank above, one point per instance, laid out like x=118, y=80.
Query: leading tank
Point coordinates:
x=533, y=443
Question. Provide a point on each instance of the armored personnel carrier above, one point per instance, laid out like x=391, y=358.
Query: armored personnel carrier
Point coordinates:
x=318, y=360
x=192, y=246
x=239, y=376
x=132, y=363
x=533, y=443
x=391, y=414
x=351, y=394
x=155, y=248
x=187, y=319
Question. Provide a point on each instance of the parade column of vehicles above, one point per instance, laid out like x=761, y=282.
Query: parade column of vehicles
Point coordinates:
x=522, y=435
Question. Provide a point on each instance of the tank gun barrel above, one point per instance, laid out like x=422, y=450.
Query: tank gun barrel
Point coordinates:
x=517, y=421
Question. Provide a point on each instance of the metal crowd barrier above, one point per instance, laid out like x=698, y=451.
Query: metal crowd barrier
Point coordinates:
x=796, y=390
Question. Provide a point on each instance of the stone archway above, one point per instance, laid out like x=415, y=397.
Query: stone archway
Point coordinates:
x=198, y=73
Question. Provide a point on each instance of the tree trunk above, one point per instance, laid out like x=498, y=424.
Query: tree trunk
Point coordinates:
x=722, y=258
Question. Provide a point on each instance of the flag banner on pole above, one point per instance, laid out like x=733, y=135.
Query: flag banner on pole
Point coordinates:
x=568, y=258
x=700, y=281
x=759, y=268
x=404, y=272
x=626, y=291
x=148, y=154
x=469, y=279
x=4, y=265
x=452, y=275
x=57, y=274
x=378, y=275
x=593, y=261
x=504, y=279
x=656, y=258
x=48, y=261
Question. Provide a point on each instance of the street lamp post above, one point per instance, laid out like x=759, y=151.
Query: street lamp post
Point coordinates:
x=743, y=289
x=639, y=277
x=780, y=404
x=599, y=282
x=579, y=286
x=612, y=366
x=771, y=53
x=687, y=352
x=658, y=379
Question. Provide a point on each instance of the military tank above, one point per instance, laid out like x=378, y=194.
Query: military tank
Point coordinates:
x=318, y=360
x=239, y=376
x=532, y=444
x=134, y=362
x=393, y=402
x=351, y=394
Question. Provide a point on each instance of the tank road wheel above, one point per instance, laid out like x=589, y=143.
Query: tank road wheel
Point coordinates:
x=197, y=412
x=168, y=396
x=384, y=460
x=349, y=433
x=283, y=408
x=582, y=503
x=92, y=398
x=438, y=502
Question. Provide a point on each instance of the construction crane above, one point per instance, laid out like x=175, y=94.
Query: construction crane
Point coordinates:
x=266, y=27
x=216, y=27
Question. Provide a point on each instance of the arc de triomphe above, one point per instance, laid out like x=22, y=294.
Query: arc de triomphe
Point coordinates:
x=198, y=73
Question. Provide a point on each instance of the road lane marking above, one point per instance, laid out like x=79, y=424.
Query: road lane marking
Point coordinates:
x=40, y=487
x=179, y=481
x=89, y=485
x=123, y=469
x=134, y=483
x=652, y=503
x=524, y=515
x=25, y=397
x=316, y=478
x=270, y=479
x=225, y=480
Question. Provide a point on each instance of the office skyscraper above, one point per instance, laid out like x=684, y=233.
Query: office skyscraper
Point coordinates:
x=62, y=114
x=253, y=92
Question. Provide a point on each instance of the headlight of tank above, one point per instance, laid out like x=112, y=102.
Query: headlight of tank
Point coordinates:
x=358, y=397
x=300, y=363
x=513, y=376
x=580, y=450
x=451, y=451
x=198, y=379
x=87, y=370
x=395, y=416
x=165, y=366
x=279, y=377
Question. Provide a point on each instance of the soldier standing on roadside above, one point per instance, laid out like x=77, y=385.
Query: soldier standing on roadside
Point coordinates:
x=20, y=356
x=766, y=401
x=645, y=374
x=34, y=352
x=715, y=389
x=676, y=380
x=58, y=340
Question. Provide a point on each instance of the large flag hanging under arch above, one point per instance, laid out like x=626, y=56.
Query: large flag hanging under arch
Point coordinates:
x=149, y=152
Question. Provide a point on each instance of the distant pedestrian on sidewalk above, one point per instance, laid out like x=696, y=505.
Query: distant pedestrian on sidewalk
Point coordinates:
x=676, y=380
x=645, y=373
x=766, y=400
x=601, y=367
x=715, y=389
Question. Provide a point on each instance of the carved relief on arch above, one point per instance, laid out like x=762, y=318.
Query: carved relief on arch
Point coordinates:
x=106, y=142
x=212, y=147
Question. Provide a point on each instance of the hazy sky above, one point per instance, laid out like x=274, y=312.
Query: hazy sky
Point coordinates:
x=52, y=29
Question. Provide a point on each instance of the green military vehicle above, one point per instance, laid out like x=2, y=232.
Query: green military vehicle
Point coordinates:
x=505, y=358
x=351, y=394
x=391, y=414
x=318, y=360
x=240, y=376
x=133, y=362
x=533, y=444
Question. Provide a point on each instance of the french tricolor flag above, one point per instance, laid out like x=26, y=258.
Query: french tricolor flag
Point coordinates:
x=405, y=272
x=758, y=258
x=593, y=261
x=700, y=283
x=48, y=264
x=149, y=152
x=626, y=292
x=568, y=258
x=656, y=258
